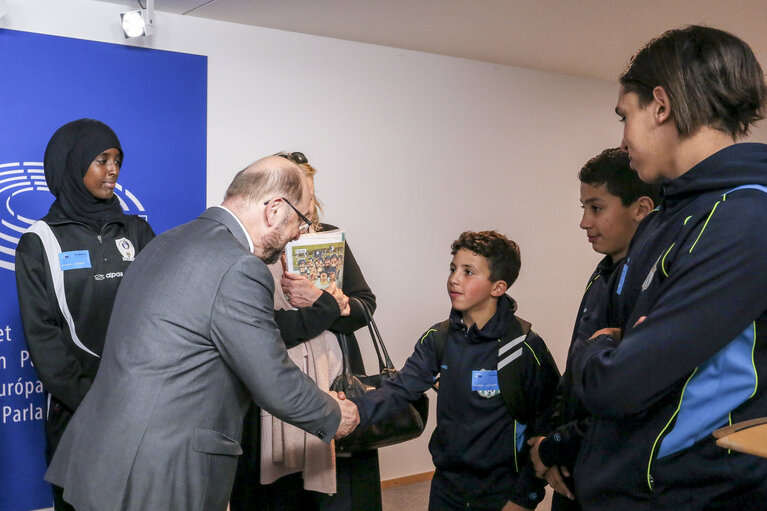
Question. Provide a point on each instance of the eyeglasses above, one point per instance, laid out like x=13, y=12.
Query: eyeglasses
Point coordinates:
x=303, y=228
x=297, y=158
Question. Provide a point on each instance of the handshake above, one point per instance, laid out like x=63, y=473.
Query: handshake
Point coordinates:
x=350, y=417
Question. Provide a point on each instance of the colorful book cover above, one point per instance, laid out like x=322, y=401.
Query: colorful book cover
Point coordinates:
x=319, y=256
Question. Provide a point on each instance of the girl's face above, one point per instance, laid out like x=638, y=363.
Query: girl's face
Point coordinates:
x=101, y=177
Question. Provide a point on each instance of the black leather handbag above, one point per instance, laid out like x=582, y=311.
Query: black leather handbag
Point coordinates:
x=406, y=425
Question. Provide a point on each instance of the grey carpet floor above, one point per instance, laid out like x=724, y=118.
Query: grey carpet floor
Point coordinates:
x=407, y=497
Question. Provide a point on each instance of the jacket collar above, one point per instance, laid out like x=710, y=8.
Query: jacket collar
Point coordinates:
x=495, y=328
x=735, y=165
x=56, y=217
x=224, y=216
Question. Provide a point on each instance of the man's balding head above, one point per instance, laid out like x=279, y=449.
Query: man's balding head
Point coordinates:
x=263, y=197
x=266, y=178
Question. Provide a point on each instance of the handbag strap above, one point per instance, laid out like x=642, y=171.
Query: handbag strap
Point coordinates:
x=343, y=341
x=384, y=361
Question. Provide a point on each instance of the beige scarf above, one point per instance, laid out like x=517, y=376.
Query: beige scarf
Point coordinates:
x=286, y=449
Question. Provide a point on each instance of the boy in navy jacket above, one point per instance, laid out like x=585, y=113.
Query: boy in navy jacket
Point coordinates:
x=614, y=202
x=496, y=378
x=693, y=303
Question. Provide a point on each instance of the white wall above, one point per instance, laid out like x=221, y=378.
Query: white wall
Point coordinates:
x=411, y=149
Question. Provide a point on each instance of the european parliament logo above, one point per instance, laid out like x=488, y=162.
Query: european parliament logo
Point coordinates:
x=24, y=198
x=31, y=111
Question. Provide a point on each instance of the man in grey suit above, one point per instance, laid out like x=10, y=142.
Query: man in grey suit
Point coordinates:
x=191, y=341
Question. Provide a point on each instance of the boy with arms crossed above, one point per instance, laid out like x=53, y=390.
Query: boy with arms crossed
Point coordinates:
x=614, y=201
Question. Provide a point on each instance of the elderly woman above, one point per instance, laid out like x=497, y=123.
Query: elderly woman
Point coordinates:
x=61, y=264
x=282, y=468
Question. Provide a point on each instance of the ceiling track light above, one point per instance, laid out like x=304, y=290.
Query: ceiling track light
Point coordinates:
x=138, y=23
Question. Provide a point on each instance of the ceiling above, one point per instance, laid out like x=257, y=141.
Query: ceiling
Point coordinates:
x=591, y=38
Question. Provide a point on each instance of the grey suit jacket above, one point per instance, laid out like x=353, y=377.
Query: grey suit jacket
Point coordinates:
x=191, y=341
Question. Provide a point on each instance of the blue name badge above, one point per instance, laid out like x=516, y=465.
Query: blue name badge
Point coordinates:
x=74, y=260
x=484, y=380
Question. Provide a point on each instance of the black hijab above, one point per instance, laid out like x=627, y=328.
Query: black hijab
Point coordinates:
x=70, y=152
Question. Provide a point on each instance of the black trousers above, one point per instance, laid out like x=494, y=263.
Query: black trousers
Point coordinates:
x=443, y=496
x=58, y=417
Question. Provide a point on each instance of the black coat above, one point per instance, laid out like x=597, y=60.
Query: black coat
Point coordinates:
x=67, y=366
x=297, y=326
x=358, y=479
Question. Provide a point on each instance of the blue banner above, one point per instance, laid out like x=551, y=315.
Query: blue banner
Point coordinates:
x=156, y=103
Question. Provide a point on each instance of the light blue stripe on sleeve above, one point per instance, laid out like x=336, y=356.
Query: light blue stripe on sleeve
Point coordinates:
x=520, y=430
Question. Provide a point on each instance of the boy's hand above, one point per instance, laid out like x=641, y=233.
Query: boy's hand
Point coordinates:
x=510, y=506
x=555, y=476
x=535, y=458
x=614, y=333
x=552, y=475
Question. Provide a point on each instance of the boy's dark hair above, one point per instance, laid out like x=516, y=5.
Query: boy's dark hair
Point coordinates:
x=711, y=77
x=501, y=253
x=611, y=168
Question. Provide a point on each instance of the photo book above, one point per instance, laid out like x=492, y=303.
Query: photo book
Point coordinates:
x=319, y=256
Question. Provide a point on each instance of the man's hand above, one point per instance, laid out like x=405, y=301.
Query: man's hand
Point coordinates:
x=555, y=476
x=341, y=298
x=299, y=291
x=535, y=458
x=350, y=417
x=510, y=506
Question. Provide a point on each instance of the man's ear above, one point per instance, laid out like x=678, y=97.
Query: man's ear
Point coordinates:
x=642, y=207
x=661, y=105
x=499, y=288
x=272, y=211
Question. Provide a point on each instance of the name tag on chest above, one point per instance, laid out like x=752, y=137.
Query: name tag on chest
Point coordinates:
x=484, y=380
x=74, y=260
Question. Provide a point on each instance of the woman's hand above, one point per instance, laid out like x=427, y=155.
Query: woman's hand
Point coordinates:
x=299, y=291
x=341, y=298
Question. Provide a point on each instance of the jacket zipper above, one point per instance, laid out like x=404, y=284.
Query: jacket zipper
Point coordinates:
x=101, y=246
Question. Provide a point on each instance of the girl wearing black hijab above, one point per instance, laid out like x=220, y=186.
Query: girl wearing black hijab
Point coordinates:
x=69, y=265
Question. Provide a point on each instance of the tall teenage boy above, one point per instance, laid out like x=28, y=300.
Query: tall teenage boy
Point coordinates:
x=693, y=303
